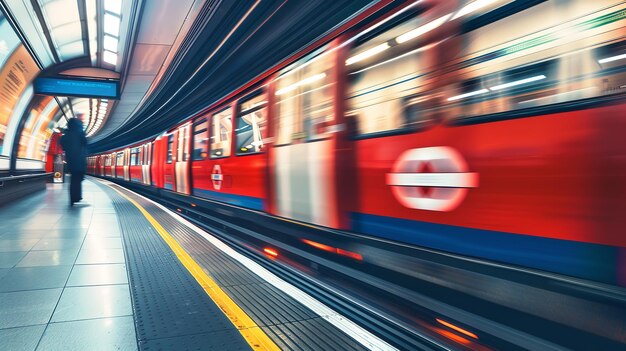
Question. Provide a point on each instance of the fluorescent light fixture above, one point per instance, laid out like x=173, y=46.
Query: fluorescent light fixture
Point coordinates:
x=114, y=6
x=111, y=25
x=472, y=93
x=110, y=57
x=110, y=43
x=367, y=53
x=305, y=81
x=612, y=58
x=518, y=82
x=412, y=34
x=472, y=7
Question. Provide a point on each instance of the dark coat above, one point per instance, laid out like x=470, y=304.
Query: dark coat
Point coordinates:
x=74, y=144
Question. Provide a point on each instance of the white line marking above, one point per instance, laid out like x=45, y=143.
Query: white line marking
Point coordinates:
x=442, y=180
x=350, y=328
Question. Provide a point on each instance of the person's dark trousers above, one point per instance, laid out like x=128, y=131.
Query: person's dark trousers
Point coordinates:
x=76, y=189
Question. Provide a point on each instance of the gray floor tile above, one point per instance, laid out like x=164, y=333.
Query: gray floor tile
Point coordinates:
x=32, y=278
x=10, y=259
x=104, y=231
x=96, y=334
x=90, y=302
x=17, y=234
x=21, y=339
x=23, y=308
x=8, y=245
x=49, y=258
x=4, y=271
x=34, y=224
x=100, y=256
x=58, y=244
x=102, y=243
x=66, y=233
x=98, y=274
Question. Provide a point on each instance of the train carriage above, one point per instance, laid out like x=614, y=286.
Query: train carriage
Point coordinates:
x=492, y=132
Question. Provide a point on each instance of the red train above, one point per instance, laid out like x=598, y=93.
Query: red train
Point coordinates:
x=487, y=128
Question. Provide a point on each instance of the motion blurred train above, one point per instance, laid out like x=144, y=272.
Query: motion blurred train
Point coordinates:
x=490, y=129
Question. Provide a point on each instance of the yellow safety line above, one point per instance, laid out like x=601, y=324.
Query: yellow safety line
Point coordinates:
x=250, y=331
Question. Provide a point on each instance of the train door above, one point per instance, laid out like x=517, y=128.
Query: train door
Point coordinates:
x=127, y=164
x=200, y=174
x=211, y=177
x=113, y=158
x=169, y=178
x=181, y=164
x=119, y=165
x=157, y=162
x=145, y=163
x=303, y=159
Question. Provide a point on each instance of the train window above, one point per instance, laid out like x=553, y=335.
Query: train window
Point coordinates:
x=543, y=60
x=119, y=159
x=170, y=145
x=186, y=154
x=251, y=124
x=304, y=100
x=221, y=130
x=386, y=82
x=549, y=85
x=200, y=139
x=134, y=156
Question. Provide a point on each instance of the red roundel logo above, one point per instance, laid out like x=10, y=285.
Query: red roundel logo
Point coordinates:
x=431, y=178
x=217, y=177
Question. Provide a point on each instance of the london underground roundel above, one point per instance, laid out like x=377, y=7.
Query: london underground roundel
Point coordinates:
x=431, y=178
x=217, y=177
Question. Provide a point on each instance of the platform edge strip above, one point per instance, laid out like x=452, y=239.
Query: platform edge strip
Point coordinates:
x=251, y=332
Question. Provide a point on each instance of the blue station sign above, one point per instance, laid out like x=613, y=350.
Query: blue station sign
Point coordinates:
x=79, y=87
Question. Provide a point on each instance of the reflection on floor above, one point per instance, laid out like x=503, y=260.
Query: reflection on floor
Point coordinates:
x=63, y=281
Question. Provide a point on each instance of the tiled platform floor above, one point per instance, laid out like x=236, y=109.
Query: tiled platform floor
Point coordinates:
x=63, y=281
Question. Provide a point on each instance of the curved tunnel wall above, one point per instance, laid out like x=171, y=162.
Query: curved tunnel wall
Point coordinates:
x=27, y=121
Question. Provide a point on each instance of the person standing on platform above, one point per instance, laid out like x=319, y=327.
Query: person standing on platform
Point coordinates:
x=74, y=143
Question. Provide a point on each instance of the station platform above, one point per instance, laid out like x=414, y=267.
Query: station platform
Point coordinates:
x=120, y=272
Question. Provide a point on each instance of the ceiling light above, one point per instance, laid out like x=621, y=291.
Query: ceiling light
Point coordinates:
x=472, y=93
x=518, y=82
x=412, y=34
x=110, y=43
x=111, y=24
x=612, y=58
x=114, y=6
x=110, y=57
x=367, y=53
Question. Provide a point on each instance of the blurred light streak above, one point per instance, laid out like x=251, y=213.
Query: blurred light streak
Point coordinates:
x=367, y=53
x=412, y=34
x=319, y=245
x=243, y=18
x=450, y=335
x=350, y=254
x=423, y=48
x=331, y=249
x=612, y=58
x=473, y=7
x=305, y=81
x=462, y=96
x=518, y=82
x=458, y=329
x=353, y=39
x=270, y=252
